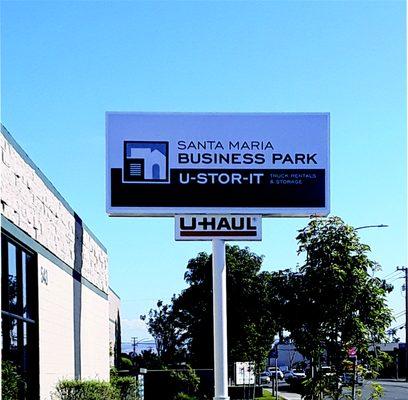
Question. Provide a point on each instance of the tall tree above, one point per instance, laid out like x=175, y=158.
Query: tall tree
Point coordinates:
x=251, y=306
x=165, y=329
x=335, y=302
x=118, y=342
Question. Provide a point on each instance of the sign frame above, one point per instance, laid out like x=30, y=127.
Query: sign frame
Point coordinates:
x=244, y=373
x=171, y=211
x=251, y=232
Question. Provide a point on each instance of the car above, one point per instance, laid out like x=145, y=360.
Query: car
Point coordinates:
x=328, y=371
x=347, y=379
x=294, y=375
x=275, y=373
x=264, y=378
x=284, y=368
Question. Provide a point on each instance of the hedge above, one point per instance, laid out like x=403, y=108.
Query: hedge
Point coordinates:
x=120, y=388
x=11, y=381
x=126, y=386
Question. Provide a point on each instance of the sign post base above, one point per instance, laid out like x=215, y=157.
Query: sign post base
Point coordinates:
x=220, y=320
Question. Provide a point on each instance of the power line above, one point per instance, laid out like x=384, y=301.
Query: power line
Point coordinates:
x=400, y=326
x=395, y=279
x=390, y=274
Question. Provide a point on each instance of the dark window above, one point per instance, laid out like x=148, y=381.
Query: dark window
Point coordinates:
x=19, y=314
x=12, y=279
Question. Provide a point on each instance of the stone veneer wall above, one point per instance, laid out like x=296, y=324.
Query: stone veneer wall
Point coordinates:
x=31, y=202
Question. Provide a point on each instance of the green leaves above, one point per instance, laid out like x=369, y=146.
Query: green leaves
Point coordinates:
x=338, y=303
x=11, y=380
x=85, y=390
x=333, y=303
x=253, y=312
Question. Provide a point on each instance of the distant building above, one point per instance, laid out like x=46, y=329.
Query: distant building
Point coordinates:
x=397, y=367
x=287, y=356
x=54, y=281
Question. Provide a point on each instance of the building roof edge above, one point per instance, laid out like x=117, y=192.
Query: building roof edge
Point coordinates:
x=46, y=181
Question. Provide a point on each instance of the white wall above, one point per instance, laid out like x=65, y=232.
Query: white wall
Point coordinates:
x=33, y=205
x=56, y=326
x=94, y=336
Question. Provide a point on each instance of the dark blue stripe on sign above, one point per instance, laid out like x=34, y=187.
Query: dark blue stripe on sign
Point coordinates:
x=280, y=188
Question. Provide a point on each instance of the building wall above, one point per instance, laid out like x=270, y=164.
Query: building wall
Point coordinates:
x=94, y=262
x=32, y=203
x=72, y=271
x=55, y=298
x=94, y=336
x=287, y=356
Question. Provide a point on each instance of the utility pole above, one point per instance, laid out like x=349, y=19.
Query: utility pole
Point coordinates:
x=405, y=270
x=134, y=345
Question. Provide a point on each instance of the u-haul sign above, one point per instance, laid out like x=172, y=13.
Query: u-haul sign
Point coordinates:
x=176, y=163
x=208, y=227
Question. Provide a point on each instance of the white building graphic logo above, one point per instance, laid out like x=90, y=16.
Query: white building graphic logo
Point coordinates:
x=146, y=162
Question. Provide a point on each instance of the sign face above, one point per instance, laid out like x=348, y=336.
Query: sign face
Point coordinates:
x=244, y=373
x=175, y=163
x=208, y=227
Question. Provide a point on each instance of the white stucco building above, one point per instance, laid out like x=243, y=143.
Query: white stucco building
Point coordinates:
x=55, y=293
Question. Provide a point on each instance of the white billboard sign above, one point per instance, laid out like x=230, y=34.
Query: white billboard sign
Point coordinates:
x=244, y=373
x=163, y=164
x=209, y=227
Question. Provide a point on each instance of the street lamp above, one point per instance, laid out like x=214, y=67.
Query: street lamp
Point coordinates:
x=371, y=226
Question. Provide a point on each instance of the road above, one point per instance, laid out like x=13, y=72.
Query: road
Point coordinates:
x=393, y=390
x=285, y=392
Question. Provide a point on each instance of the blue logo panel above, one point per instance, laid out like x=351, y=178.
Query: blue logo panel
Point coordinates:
x=146, y=162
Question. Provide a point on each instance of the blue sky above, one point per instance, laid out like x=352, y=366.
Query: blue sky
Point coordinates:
x=65, y=63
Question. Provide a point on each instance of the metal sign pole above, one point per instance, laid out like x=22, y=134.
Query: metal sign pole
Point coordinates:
x=353, y=388
x=220, y=320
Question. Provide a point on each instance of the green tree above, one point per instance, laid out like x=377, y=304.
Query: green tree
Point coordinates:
x=11, y=381
x=183, y=384
x=335, y=302
x=166, y=330
x=148, y=359
x=253, y=310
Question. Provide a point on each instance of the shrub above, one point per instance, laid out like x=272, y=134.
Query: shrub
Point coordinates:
x=183, y=382
x=125, y=386
x=125, y=363
x=11, y=381
x=183, y=396
x=85, y=390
